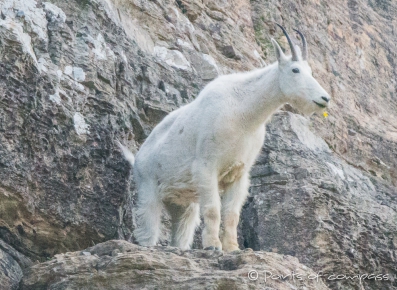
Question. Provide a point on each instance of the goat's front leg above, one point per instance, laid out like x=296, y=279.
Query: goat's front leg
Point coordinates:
x=210, y=205
x=232, y=203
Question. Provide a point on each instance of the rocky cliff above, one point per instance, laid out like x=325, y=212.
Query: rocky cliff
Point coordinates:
x=77, y=75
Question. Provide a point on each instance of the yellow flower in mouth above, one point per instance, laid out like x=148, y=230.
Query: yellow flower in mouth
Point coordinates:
x=325, y=114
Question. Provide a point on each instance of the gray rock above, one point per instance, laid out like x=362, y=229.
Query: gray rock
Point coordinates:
x=136, y=267
x=69, y=90
x=12, y=264
x=312, y=205
x=11, y=273
x=205, y=65
x=229, y=51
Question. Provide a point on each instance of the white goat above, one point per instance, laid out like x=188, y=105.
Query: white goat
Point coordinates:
x=199, y=157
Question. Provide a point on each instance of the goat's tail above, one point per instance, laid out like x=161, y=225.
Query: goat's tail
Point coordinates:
x=127, y=153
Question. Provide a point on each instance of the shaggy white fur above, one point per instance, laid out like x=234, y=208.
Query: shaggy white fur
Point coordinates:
x=199, y=157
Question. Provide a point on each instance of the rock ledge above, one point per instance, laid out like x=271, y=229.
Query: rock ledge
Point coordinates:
x=117, y=264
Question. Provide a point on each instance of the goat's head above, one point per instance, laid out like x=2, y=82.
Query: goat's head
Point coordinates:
x=296, y=81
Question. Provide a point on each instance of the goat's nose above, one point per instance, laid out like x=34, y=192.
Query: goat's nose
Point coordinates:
x=325, y=99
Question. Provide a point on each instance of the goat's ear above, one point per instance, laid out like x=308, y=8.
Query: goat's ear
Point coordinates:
x=279, y=53
x=298, y=52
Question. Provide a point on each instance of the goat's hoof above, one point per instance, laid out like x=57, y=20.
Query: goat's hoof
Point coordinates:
x=212, y=248
x=235, y=252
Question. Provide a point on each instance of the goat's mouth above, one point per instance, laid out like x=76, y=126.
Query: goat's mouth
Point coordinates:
x=320, y=105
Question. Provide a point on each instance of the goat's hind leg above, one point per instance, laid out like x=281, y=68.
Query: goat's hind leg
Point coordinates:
x=148, y=214
x=185, y=220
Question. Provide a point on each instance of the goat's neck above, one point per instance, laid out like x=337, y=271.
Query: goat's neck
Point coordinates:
x=260, y=97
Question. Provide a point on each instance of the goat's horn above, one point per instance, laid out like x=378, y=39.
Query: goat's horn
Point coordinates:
x=291, y=44
x=304, y=45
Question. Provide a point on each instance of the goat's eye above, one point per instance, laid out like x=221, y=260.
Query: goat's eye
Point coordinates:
x=295, y=70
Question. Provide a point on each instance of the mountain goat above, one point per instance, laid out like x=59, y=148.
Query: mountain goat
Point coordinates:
x=198, y=159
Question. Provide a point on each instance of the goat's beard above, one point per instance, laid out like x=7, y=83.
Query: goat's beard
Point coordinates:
x=306, y=108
